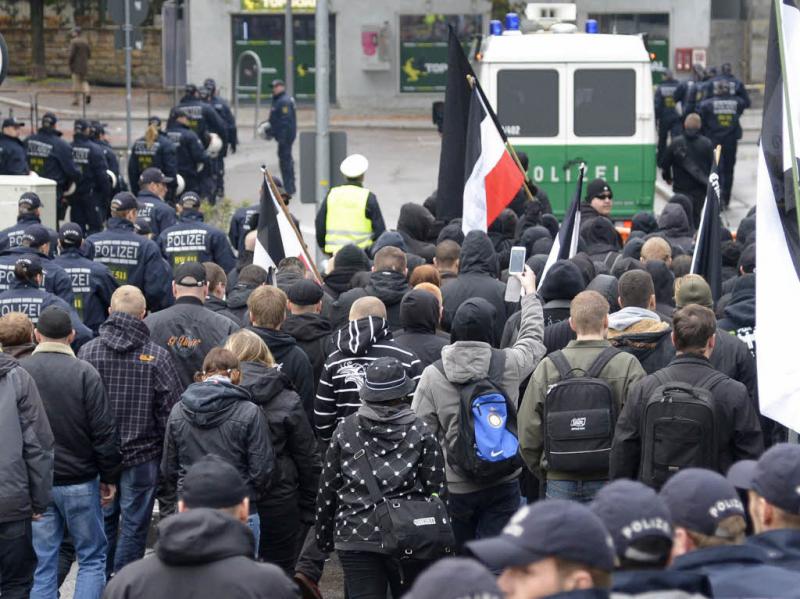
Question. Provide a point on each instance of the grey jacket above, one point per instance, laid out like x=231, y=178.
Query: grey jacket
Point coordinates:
x=26, y=445
x=436, y=400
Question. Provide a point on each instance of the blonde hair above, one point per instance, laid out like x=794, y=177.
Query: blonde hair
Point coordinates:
x=267, y=305
x=432, y=289
x=367, y=306
x=129, y=300
x=151, y=135
x=587, y=312
x=249, y=347
x=732, y=531
x=656, y=248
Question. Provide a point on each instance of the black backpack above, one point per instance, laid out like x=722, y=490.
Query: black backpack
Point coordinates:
x=678, y=429
x=486, y=447
x=579, y=417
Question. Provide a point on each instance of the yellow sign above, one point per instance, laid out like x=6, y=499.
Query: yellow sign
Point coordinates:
x=278, y=5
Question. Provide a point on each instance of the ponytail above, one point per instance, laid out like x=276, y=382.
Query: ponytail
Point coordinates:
x=25, y=272
x=151, y=135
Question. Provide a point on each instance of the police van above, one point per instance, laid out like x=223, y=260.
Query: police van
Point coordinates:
x=566, y=98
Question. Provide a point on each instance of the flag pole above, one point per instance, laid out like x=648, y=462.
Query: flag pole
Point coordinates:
x=274, y=188
x=781, y=52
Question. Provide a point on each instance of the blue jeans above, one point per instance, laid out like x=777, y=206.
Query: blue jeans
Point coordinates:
x=78, y=508
x=582, y=491
x=134, y=503
x=254, y=524
x=483, y=513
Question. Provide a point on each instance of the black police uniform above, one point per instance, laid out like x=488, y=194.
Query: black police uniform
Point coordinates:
x=192, y=240
x=92, y=285
x=12, y=236
x=155, y=211
x=667, y=117
x=189, y=154
x=113, y=165
x=283, y=124
x=240, y=225
x=51, y=157
x=203, y=119
x=133, y=260
x=29, y=299
x=56, y=281
x=93, y=194
x=161, y=155
x=690, y=93
x=13, y=160
x=720, y=116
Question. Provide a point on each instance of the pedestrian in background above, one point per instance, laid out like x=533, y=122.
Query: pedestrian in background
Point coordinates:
x=79, y=54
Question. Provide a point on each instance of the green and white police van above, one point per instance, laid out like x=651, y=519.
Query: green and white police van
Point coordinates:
x=567, y=98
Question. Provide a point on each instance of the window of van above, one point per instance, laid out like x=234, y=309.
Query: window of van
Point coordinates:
x=605, y=102
x=527, y=102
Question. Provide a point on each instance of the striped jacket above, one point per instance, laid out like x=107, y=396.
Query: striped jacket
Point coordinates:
x=357, y=345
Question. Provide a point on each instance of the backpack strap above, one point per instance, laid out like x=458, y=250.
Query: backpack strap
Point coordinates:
x=709, y=382
x=361, y=460
x=559, y=360
x=440, y=366
x=497, y=366
x=600, y=362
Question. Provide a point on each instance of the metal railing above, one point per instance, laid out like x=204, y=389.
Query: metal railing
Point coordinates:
x=238, y=89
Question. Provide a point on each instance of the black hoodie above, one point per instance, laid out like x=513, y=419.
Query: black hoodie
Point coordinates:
x=600, y=239
x=313, y=334
x=414, y=224
x=201, y=554
x=477, y=277
x=387, y=285
x=419, y=314
x=664, y=283
x=237, y=301
x=673, y=225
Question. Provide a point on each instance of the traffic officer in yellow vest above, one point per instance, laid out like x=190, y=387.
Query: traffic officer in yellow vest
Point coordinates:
x=350, y=213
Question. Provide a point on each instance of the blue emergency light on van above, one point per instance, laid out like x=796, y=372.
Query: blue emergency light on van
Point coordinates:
x=512, y=21
x=591, y=26
x=495, y=27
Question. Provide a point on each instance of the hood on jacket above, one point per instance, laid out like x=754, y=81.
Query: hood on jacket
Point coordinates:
x=307, y=327
x=201, y=536
x=537, y=263
x=263, y=382
x=387, y=239
x=466, y=361
x=478, y=255
x=741, y=308
x=600, y=236
x=388, y=286
x=747, y=228
x=673, y=221
x=531, y=235
x=415, y=221
x=451, y=231
x=278, y=342
x=419, y=312
x=358, y=336
x=7, y=364
x=645, y=222
x=563, y=281
x=474, y=320
x=237, y=297
x=685, y=203
x=587, y=267
x=608, y=287
x=123, y=333
x=633, y=249
x=504, y=225
x=207, y=404
x=663, y=281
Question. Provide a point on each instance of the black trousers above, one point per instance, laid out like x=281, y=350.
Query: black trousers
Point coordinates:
x=88, y=213
x=17, y=559
x=367, y=574
x=280, y=534
x=666, y=129
x=726, y=163
x=286, y=163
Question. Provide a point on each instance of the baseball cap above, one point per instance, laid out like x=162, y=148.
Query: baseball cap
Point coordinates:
x=36, y=235
x=54, y=322
x=549, y=528
x=190, y=274
x=153, y=175
x=278, y=82
x=305, y=293
x=70, y=233
x=693, y=289
x=211, y=482
x=700, y=499
x=29, y=199
x=632, y=511
x=154, y=120
x=775, y=476
x=596, y=187
x=123, y=202
x=142, y=226
x=32, y=264
x=81, y=125
x=190, y=200
x=99, y=127
x=12, y=122
x=455, y=578
x=49, y=119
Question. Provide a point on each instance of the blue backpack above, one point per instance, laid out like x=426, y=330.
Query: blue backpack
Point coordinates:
x=486, y=447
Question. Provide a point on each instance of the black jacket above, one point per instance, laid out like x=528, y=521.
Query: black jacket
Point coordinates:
x=12, y=236
x=91, y=162
x=51, y=157
x=313, y=334
x=414, y=224
x=192, y=240
x=13, y=160
x=26, y=444
x=189, y=153
x=220, y=418
x=297, y=463
x=201, y=554
x=283, y=118
x=294, y=362
x=652, y=345
x=188, y=332
x=732, y=358
x=477, y=277
x=220, y=306
x=237, y=301
x=673, y=225
x=92, y=285
x=687, y=163
x=388, y=286
x=740, y=312
x=161, y=154
x=156, y=212
x=419, y=315
x=737, y=421
x=85, y=431
x=56, y=281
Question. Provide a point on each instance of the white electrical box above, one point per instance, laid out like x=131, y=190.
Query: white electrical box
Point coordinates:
x=13, y=186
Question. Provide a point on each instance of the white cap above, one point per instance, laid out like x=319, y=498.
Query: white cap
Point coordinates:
x=354, y=166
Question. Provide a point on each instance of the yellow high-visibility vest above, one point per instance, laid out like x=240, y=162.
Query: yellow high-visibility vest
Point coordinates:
x=346, y=220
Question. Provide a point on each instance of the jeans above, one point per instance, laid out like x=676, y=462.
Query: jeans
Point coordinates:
x=254, y=524
x=582, y=491
x=136, y=493
x=367, y=574
x=483, y=513
x=279, y=543
x=78, y=508
x=17, y=559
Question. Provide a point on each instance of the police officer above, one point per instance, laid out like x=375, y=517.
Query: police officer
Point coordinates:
x=283, y=127
x=243, y=217
x=350, y=213
x=13, y=160
x=51, y=157
x=88, y=203
x=223, y=108
x=155, y=149
x=133, y=259
x=735, y=85
x=29, y=212
x=152, y=207
x=690, y=93
x=203, y=119
x=667, y=118
x=25, y=295
x=191, y=158
x=100, y=137
x=92, y=282
x=192, y=240
x=720, y=116
x=35, y=241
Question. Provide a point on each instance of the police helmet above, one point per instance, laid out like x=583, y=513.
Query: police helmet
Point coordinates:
x=113, y=178
x=49, y=119
x=190, y=89
x=264, y=130
x=204, y=93
x=181, y=185
x=210, y=84
x=214, y=145
x=70, y=190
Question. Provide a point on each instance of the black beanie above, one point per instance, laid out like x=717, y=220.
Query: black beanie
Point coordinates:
x=351, y=257
x=595, y=188
x=563, y=282
x=474, y=321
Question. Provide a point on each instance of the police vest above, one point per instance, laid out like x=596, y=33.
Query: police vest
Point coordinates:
x=346, y=220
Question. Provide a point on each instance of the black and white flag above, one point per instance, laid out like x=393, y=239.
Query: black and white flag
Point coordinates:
x=707, y=258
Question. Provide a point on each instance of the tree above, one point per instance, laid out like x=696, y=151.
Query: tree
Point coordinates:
x=38, y=70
